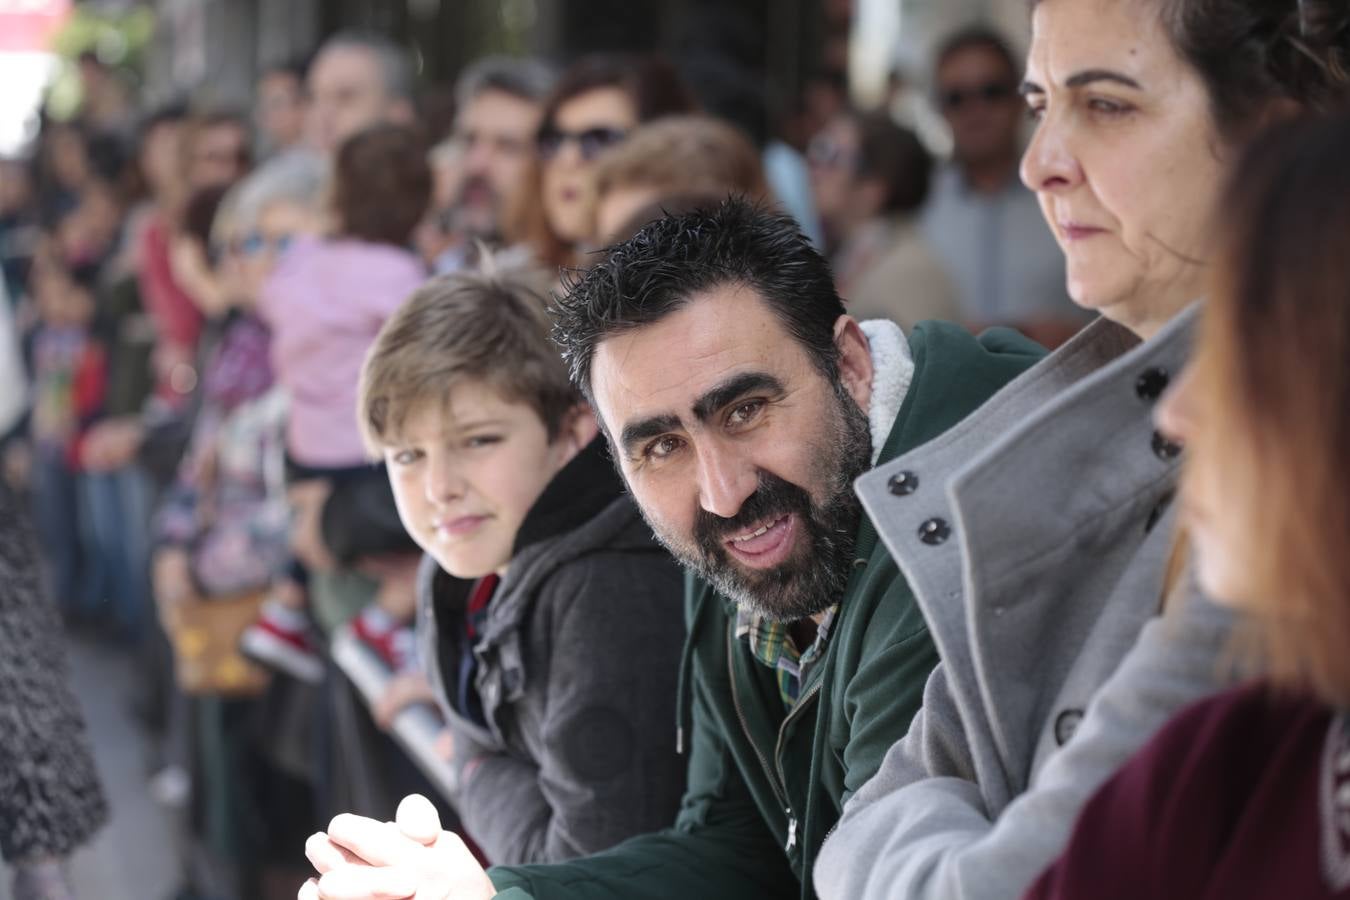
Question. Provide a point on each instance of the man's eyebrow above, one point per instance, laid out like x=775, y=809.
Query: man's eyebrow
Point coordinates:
x=732, y=389
x=646, y=429
x=1083, y=79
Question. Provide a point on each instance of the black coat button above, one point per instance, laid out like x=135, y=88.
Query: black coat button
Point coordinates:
x=1165, y=449
x=1151, y=384
x=1066, y=723
x=902, y=484
x=934, y=531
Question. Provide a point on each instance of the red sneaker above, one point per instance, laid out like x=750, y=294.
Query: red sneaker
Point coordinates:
x=394, y=644
x=276, y=642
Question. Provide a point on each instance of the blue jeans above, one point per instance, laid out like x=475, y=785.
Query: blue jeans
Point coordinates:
x=115, y=515
x=56, y=517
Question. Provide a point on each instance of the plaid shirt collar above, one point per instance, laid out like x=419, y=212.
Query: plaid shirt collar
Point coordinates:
x=771, y=644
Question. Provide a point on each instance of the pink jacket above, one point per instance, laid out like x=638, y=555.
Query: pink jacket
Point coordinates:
x=324, y=303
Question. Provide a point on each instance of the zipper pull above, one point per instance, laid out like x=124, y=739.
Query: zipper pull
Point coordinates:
x=792, y=831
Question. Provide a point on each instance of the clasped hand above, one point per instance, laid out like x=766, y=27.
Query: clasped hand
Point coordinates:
x=411, y=858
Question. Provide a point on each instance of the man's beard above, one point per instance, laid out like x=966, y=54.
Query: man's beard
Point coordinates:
x=481, y=222
x=813, y=578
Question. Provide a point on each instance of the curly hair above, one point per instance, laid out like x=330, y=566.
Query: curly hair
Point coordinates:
x=670, y=261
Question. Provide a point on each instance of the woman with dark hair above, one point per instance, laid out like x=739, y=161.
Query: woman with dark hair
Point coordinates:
x=596, y=103
x=1244, y=794
x=1037, y=534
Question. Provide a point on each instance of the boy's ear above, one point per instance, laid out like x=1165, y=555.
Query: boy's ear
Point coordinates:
x=579, y=428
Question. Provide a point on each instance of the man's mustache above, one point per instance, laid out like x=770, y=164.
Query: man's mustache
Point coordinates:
x=772, y=499
x=474, y=182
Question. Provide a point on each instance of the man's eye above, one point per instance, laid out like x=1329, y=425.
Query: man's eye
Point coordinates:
x=483, y=440
x=745, y=412
x=662, y=447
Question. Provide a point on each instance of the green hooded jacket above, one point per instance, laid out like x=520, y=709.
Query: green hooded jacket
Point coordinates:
x=766, y=788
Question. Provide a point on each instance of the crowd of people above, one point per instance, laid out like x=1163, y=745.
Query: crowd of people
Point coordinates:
x=751, y=523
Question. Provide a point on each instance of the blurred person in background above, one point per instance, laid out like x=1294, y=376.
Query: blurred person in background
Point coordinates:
x=597, y=101
x=870, y=176
x=674, y=156
x=18, y=224
x=216, y=150
x=483, y=166
x=357, y=80
x=324, y=302
x=107, y=106
x=279, y=108
x=67, y=386
x=984, y=224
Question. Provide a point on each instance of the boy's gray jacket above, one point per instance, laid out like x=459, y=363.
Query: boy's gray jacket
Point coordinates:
x=576, y=669
x=1036, y=535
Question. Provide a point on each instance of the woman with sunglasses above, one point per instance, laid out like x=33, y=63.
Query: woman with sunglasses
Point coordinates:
x=596, y=103
x=1247, y=794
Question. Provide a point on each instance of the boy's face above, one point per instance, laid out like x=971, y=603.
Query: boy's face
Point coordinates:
x=465, y=474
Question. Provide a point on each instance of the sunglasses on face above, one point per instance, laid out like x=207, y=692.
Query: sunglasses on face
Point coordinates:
x=256, y=242
x=988, y=93
x=590, y=142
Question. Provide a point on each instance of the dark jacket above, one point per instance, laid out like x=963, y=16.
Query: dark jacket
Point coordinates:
x=765, y=789
x=576, y=670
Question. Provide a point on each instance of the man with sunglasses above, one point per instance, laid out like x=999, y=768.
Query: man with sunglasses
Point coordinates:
x=983, y=223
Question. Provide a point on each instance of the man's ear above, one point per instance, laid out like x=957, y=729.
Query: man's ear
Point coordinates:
x=855, y=360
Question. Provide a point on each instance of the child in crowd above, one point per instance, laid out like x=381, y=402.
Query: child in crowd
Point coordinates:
x=1245, y=795
x=549, y=619
x=67, y=390
x=324, y=303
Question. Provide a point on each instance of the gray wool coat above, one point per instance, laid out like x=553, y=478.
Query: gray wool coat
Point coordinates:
x=1036, y=535
x=577, y=665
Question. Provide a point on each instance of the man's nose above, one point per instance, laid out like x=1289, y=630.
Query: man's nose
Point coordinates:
x=726, y=479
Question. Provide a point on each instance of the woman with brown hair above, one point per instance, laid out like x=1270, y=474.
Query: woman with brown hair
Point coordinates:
x=596, y=103
x=1247, y=794
x=673, y=157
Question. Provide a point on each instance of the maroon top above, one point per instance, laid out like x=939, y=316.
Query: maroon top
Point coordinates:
x=1244, y=795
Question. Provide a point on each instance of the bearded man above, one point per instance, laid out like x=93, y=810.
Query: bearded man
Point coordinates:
x=740, y=403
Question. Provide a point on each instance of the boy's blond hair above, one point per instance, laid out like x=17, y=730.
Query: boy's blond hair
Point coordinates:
x=488, y=328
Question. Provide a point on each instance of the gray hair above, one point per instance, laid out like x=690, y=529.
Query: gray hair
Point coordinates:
x=394, y=62
x=296, y=177
x=526, y=78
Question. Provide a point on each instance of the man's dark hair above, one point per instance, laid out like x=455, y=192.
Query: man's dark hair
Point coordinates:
x=669, y=261
x=524, y=78
x=977, y=37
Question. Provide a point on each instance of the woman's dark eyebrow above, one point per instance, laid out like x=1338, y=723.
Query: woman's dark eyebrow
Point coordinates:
x=1083, y=79
x=1091, y=76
